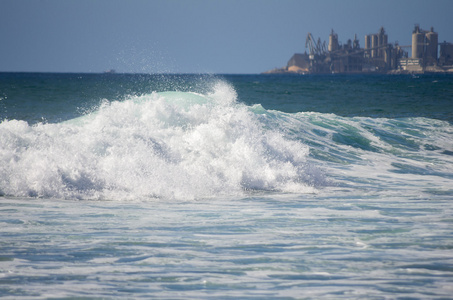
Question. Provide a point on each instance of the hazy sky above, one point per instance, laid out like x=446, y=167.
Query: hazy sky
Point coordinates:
x=195, y=36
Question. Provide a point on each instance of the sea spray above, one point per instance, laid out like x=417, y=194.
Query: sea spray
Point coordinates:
x=175, y=145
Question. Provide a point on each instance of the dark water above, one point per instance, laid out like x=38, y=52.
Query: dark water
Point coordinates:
x=377, y=96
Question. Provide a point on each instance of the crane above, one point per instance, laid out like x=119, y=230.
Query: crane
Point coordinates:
x=316, y=48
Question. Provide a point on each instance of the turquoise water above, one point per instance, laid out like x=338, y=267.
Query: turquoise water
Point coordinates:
x=226, y=186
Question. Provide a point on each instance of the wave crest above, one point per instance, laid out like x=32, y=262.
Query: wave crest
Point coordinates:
x=173, y=145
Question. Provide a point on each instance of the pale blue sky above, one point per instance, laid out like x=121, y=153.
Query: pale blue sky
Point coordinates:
x=195, y=36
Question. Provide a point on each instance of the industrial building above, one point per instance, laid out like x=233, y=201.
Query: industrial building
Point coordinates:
x=377, y=55
x=424, y=51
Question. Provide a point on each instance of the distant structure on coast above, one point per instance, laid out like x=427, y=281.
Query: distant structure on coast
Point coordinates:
x=377, y=55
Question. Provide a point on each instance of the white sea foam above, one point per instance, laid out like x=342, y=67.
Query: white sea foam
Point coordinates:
x=166, y=145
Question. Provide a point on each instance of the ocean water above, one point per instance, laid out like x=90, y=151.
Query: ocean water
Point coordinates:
x=226, y=186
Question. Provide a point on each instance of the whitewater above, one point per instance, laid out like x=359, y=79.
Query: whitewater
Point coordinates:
x=198, y=191
x=164, y=145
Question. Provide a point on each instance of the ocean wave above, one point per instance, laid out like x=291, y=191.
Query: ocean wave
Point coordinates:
x=171, y=145
x=208, y=143
x=375, y=153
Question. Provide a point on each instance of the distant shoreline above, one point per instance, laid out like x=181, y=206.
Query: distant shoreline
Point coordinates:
x=433, y=70
x=277, y=71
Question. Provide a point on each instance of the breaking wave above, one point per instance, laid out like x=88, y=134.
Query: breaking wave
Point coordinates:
x=172, y=145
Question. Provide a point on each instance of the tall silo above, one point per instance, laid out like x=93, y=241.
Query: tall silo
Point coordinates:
x=367, y=45
x=333, y=42
x=431, y=47
x=418, y=43
x=374, y=45
x=382, y=42
x=384, y=45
